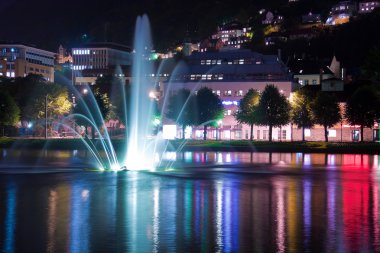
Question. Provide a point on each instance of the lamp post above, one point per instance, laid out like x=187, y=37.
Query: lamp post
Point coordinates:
x=46, y=120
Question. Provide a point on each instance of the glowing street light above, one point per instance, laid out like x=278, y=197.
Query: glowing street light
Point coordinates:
x=152, y=95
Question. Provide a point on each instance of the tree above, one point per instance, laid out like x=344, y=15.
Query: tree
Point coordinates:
x=30, y=93
x=9, y=111
x=92, y=110
x=209, y=109
x=118, y=92
x=326, y=111
x=301, y=113
x=362, y=108
x=247, y=109
x=181, y=109
x=273, y=109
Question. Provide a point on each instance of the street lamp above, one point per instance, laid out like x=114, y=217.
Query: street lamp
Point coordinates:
x=46, y=120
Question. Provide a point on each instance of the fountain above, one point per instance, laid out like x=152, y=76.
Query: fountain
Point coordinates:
x=140, y=152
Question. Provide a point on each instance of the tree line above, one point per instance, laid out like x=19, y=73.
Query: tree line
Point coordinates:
x=271, y=108
x=33, y=100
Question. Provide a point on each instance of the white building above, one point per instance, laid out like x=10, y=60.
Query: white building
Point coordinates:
x=233, y=34
x=97, y=59
x=368, y=6
x=19, y=60
x=230, y=74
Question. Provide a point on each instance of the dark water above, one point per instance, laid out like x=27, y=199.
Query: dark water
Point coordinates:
x=217, y=202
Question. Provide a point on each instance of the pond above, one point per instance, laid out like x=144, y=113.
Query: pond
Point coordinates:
x=205, y=202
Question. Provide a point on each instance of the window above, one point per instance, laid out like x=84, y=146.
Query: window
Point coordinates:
x=307, y=133
x=238, y=134
x=240, y=93
x=229, y=93
x=376, y=134
x=314, y=81
x=229, y=112
x=306, y=82
x=258, y=134
x=265, y=134
x=355, y=135
x=283, y=137
x=218, y=92
x=332, y=133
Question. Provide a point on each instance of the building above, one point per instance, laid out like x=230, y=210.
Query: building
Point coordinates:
x=368, y=6
x=230, y=74
x=94, y=60
x=342, y=131
x=272, y=19
x=304, y=33
x=308, y=72
x=211, y=45
x=233, y=34
x=341, y=13
x=20, y=60
x=275, y=38
x=311, y=18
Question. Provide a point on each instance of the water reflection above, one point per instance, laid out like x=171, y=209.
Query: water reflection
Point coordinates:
x=330, y=210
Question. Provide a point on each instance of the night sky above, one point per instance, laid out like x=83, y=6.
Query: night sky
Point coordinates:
x=48, y=23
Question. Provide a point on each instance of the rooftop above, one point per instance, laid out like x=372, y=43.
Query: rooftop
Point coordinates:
x=106, y=45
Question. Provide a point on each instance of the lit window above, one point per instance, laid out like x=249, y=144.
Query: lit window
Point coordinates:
x=229, y=92
x=240, y=93
x=218, y=92
x=228, y=112
x=332, y=133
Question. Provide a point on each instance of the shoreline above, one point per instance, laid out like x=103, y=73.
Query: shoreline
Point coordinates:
x=208, y=145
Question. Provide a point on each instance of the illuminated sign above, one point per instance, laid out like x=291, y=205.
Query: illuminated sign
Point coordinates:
x=229, y=102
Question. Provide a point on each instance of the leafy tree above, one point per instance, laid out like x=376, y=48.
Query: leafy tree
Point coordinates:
x=181, y=109
x=301, y=113
x=247, y=109
x=273, y=109
x=118, y=91
x=30, y=93
x=92, y=110
x=362, y=108
x=209, y=109
x=9, y=111
x=326, y=111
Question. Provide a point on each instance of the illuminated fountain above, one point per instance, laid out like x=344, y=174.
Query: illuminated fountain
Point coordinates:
x=140, y=151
